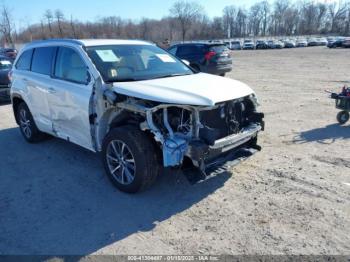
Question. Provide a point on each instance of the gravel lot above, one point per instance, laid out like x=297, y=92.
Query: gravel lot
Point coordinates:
x=291, y=198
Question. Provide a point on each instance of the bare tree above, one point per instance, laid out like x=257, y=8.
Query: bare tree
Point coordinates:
x=187, y=20
x=337, y=12
x=59, y=18
x=6, y=25
x=290, y=20
x=256, y=16
x=72, y=27
x=265, y=16
x=186, y=13
x=281, y=7
x=242, y=22
x=347, y=21
x=49, y=16
x=145, y=28
x=229, y=19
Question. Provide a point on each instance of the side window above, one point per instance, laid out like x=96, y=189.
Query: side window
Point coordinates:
x=188, y=50
x=25, y=60
x=70, y=66
x=173, y=50
x=183, y=50
x=42, y=60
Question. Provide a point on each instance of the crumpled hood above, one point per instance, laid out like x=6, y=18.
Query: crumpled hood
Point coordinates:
x=197, y=89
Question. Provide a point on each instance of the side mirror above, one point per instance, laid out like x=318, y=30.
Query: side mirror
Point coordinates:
x=185, y=62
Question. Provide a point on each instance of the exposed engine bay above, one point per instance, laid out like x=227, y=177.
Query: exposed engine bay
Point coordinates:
x=196, y=132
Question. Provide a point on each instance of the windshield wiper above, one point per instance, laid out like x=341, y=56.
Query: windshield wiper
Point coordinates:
x=170, y=75
x=130, y=79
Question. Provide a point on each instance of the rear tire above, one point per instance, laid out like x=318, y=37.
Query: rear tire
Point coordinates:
x=130, y=159
x=28, y=128
x=223, y=74
x=343, y=117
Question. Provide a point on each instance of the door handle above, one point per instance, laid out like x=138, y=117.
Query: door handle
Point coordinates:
x=52, y=90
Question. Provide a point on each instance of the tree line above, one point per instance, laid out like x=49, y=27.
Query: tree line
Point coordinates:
x=188, y=21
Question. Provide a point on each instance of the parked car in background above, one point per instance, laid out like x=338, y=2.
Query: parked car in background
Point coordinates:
x=10, y=53
x=301, y=42
x=236, y=45
x=270, y=44
x=208, y=58
x=346, y=42
x=227, y=44
x=275, y=44
x=289, y=43
x=312, y=42
x=248, y=45
x=136, y=105
x=260, y=44
x=331, y=38
x=5, y=67
x=321, y=41
x=335, y=42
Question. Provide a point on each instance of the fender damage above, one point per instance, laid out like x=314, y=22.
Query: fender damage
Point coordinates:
x=206, y=135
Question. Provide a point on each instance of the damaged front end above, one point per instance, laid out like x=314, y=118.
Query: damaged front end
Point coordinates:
x=207, y=136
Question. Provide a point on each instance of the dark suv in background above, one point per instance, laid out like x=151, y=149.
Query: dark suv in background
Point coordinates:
x=203, y=57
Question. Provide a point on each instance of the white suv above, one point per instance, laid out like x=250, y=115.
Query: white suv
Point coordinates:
x=137, y=104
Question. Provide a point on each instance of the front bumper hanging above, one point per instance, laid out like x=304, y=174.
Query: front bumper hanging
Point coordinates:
x=225, y=153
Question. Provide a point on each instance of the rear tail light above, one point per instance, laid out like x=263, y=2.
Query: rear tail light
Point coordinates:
x=209, y=55
x=9, y=75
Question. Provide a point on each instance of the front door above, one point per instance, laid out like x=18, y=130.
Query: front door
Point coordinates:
x=69, y=98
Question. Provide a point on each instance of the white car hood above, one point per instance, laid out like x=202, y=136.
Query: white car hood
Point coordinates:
x=197, y=89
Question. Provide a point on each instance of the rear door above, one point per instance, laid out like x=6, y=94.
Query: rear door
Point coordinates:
x=193, y=53
x=36, y=83
x=69, y=97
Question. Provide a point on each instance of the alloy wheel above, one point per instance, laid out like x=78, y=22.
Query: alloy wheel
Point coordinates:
x=25, y=123
x=121, y=162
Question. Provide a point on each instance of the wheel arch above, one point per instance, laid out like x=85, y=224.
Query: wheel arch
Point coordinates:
x=16, y=101
x=114, y=118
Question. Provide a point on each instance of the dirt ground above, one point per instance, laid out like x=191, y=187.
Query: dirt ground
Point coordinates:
x=291, y=198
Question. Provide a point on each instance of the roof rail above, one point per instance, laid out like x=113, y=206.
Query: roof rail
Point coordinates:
x=65, y=40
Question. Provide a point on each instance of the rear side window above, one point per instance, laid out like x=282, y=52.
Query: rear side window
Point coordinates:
x=70, y=66
x=24, y=61
x=190, y=50
x=42, y=60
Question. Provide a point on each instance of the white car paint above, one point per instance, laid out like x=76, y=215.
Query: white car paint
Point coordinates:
x=198, y=89
x=60, y=112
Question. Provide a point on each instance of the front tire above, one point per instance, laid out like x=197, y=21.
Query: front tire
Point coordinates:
x=130, y=159
x=27, y=125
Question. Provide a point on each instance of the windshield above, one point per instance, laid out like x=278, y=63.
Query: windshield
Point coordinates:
x=118, y=63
